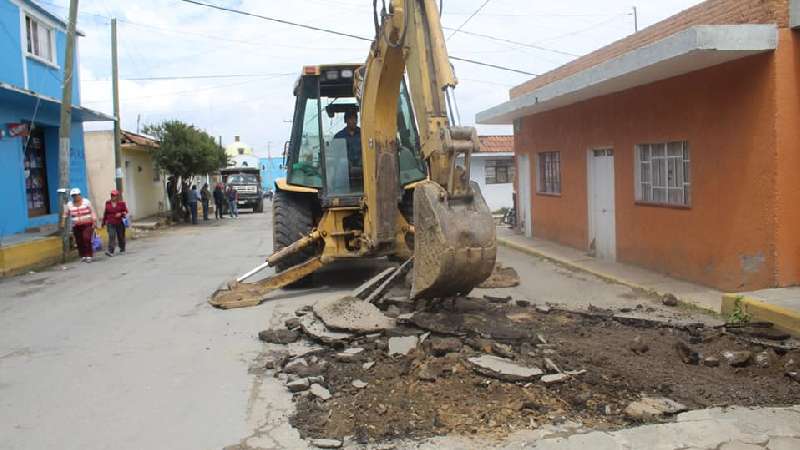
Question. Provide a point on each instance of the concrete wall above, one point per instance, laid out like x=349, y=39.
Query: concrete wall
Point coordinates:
x=787, y=201
x=727, y=237
x=100, y=166
x=138, y=164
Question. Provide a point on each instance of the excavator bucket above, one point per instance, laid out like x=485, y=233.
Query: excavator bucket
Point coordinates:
x=454, y=241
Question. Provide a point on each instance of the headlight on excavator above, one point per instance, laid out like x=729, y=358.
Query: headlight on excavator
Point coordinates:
x=347, y=73
x=332, y=75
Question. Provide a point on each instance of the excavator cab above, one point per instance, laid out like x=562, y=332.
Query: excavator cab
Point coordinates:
x=324, y=154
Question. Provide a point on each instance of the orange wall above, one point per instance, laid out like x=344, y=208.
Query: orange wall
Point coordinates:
x=727, y=114
x=788, y=164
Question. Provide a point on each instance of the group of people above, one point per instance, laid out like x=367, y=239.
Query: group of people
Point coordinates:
x=82, y=218
x=190, y=198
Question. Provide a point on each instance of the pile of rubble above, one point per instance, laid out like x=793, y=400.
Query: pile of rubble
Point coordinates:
x=403, y=368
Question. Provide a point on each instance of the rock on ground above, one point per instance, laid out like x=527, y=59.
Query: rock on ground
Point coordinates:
x=352, y=314
x=650, y=407
x=298, y=385
x=503, y=369
x=278, y=336
x=326, y=443
x=442, y=346
x=317, y=330
x=319, y=392
x=402, y=345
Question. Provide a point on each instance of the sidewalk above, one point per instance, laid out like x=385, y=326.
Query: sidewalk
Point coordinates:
x=781, y=306
x=631, y=276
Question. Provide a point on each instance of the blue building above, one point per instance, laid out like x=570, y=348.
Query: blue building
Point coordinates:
x=271, y=169
x=32, y=52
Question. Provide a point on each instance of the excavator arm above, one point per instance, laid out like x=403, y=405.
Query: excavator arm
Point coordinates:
x=455, y=244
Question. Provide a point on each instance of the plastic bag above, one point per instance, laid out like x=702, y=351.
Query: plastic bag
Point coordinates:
x=97, y=243
x=126, y=222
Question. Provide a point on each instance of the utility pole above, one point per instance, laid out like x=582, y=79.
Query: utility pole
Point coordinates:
x=66, y=124
x=115, y=89
x=635, y=20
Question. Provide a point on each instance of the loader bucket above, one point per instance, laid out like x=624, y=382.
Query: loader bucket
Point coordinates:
x=454, y=242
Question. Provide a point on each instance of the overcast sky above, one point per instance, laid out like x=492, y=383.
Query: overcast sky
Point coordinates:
x=171, y=38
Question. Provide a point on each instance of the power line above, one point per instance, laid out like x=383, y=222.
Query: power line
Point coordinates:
x=477, y=11
x=339, y=33
x=272, y=19
x=509, y=41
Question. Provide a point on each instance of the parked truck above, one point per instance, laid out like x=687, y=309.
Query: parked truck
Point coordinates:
x=247, y=182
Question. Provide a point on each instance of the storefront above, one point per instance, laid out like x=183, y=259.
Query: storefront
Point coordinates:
x=29, y=159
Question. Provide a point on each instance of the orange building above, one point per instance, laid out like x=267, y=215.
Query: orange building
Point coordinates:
x=676, y=148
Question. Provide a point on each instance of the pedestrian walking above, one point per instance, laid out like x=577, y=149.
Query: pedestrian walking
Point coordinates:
x=233, y=198
x=83, y=219
x=114, y=216
x=219, y=200
x=194, y=197
x=205, y=197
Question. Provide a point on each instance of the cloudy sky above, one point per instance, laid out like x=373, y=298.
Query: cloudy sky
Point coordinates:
x=233, y=75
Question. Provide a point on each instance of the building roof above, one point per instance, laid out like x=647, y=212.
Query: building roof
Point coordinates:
x=140, y=140
x=496, y=144
x=710, y=33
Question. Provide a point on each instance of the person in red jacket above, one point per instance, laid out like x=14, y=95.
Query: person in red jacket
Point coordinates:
x=116, y=211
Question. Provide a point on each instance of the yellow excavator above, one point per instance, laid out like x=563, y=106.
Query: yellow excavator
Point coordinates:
x=405, y=193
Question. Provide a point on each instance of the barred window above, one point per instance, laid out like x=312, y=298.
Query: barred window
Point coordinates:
x=499, y=171
x=548, y=173
x=663, y=173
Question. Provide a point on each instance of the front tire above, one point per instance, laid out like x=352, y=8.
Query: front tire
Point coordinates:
x=292, y=218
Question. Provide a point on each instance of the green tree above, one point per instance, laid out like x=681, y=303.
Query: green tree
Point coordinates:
x=184, y=151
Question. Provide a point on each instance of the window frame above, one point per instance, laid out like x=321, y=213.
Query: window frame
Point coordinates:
x=543, y=186
x=43, y=28
x=508, y=169
x=665, y=184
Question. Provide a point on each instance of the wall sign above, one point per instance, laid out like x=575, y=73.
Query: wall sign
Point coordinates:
x=19, y=129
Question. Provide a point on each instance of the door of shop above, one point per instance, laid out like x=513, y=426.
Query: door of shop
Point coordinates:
x=36, y=174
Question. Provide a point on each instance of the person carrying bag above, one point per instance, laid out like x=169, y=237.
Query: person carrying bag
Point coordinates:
x=83, y=218
x=114, y=218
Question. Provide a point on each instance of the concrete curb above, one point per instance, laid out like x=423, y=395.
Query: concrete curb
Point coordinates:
x=602, y=275
x=784, y=319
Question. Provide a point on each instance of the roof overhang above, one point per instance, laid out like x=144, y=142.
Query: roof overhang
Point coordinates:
x=11, y=95
x=693, y=49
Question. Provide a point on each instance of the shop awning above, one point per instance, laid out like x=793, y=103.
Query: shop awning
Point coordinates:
x=15, y=97
x=689, y=50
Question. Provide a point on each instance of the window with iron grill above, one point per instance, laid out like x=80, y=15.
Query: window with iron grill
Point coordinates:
x=499, y=171
x=663, y=173
x=548, y=174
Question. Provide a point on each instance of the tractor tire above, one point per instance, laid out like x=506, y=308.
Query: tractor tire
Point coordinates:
x=292, y=218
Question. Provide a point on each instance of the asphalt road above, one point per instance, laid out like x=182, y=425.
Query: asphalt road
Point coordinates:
x=125, y=353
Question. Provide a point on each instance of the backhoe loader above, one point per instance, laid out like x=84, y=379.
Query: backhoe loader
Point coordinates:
x=405, y=196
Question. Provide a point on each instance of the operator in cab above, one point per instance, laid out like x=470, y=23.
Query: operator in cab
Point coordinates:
x=352, y=134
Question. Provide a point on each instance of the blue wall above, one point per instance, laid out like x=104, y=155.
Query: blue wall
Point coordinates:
x=270, y=171
x=13, y=209
x=46, y=80
x=42, y=78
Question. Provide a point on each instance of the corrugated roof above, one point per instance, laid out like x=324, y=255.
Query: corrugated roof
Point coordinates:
x=496, y=144
x=138, y=139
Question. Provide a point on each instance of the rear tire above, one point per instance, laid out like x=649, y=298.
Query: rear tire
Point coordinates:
x=259, y=208
x=292, y=218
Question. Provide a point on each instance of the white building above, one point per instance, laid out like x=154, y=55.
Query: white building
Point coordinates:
x=493, y=169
